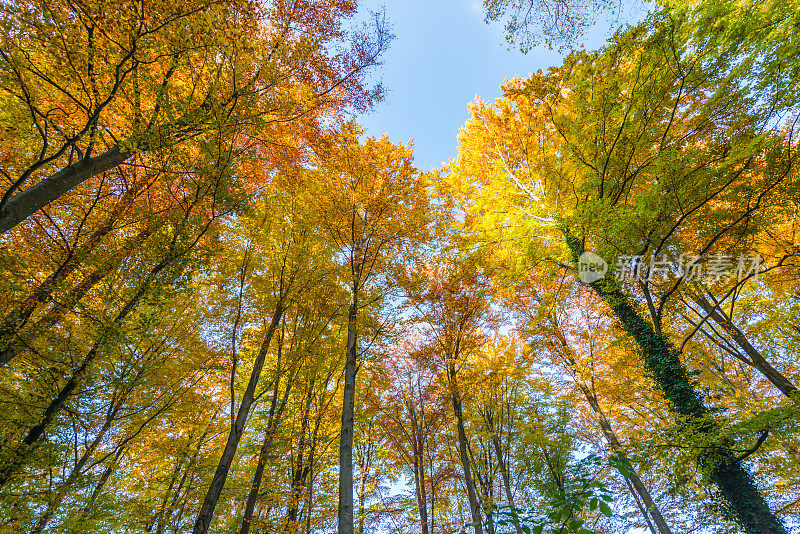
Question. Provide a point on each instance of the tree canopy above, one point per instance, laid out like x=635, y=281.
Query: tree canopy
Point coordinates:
x=227, y=308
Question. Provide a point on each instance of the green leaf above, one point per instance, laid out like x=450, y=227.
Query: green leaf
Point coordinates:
x=605, y=509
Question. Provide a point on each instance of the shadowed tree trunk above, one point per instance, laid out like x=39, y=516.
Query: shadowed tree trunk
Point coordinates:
x=345, y=510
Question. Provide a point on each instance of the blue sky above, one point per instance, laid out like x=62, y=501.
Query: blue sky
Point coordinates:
x=443, y=55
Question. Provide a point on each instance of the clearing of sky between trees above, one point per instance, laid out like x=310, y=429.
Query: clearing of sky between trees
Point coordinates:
x=227, y=308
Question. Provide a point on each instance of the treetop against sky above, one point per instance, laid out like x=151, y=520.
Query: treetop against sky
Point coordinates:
x=443, y=57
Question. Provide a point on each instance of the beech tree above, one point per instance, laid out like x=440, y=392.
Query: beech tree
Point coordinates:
x=452, y=300
x=373, y=205
x=281, y=237
x=103, y=83
x=628, y=139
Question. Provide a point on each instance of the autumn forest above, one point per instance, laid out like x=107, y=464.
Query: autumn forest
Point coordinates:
x=226, y=307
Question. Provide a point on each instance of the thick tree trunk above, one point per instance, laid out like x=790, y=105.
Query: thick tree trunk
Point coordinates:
x=745, y=504
x=345, y=510
x=206, y=513
x=463, y=455
x=756, y=360
x=25, y=203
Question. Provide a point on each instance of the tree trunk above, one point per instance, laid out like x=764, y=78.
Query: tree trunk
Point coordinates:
x=474, y=505
x=486, y=483
x=642, y=509
x=745, y=504
x=275, y=415
x=26, y=203
x=252, y=496
x=419, y=467
x=568, y=355
x=299, y=468
x=86, y=510
x=206, y=513
x=18, y=318
x=364, y=467
x=55, y=502
x=419, y=490
x=362, y=484
x=616, y=447
x=498, y=450
x=345, y=510
x=168, y=505
x=756, y=360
